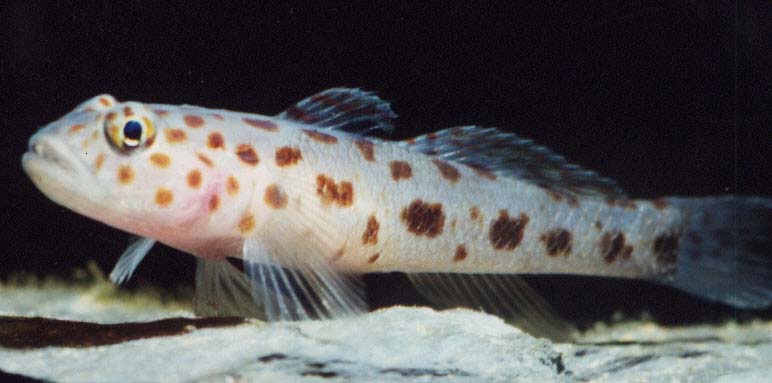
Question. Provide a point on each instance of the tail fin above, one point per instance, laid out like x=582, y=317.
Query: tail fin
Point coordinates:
x=725, y=252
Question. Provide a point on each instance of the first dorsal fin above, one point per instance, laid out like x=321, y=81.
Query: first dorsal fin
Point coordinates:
x=508, y=155
x=349, y=109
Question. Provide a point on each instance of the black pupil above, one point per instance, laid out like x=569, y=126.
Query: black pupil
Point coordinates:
x=132, y=130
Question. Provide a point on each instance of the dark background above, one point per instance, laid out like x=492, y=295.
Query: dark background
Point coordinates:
x=668, y=99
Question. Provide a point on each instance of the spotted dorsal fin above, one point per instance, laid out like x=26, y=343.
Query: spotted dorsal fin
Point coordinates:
x=349, y=109
x=507, y=155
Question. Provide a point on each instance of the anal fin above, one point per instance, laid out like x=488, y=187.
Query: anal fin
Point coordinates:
x=503, y=295
x=223, y=290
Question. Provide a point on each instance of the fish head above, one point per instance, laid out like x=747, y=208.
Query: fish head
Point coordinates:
x=123, y=164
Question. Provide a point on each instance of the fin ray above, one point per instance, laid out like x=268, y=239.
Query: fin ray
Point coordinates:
x=130, y=259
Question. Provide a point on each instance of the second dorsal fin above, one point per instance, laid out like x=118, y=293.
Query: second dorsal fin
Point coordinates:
x=508, y=155
x=349, y=109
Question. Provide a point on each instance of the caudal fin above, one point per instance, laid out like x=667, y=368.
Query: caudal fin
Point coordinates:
x=725, y=253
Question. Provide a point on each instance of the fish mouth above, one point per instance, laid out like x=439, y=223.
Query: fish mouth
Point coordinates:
x=58, y=173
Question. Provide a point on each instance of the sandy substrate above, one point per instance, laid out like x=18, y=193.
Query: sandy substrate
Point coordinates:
x=399, y=344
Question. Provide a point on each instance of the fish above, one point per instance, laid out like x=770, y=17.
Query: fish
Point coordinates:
x=311, y=199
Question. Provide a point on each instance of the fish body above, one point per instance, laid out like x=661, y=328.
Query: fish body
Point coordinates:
x=310, y=198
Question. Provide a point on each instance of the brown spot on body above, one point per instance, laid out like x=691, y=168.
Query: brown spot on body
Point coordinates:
x=482, y=171
x=321, y=137
x=125, y=174
x=214, y=202
x=246, y=224
x=370, y=236
x=659, y=203
x=247, y=154
x=373, y=258
x=557, y=242
x=460, y=254
x=338, y=254
x=205, y=159
x=275, y=197
x=160, y=112
x=76, y=128
x=366, y=147
x=127, y=111
x=666, y=248
x=194, y=178
x=100, y=160
x=341, y=194
x=163, y=197
x=287, y=156
x=598, y=225
x=266, y=125
x=193, y=121
x=447, y=171
x=424, y=218
x=612, y=245
x=104, y=101
x=160, y=160
x=175, y=136
x=555, y=196
x=110, y=116
x=232, y=185
x=400, y=170
x=474, y=213
x=507, y=233
x=215, y=140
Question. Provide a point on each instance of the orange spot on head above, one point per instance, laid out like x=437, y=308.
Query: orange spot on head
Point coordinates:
x=127, y=111
x=215, y=141
x=160, y=112
x=104, y=101
x=175, y=136
x=193, y=121
x=194, y=178
x=100, y=160
x=163, y=197
x=247, y=154
x=370, y=236
x=125, y=174
x=206, y=160
x=275, y=197
x=373, y=258
x=110, y=116
x=232, y=185
x=76, y=128
x=246, y=224
x=460, y=254
x=400, y=170
x=214, y=202
x=160, y=160
x=266, y=125
x=366, y=147
x=321, y=137
x=287, y=156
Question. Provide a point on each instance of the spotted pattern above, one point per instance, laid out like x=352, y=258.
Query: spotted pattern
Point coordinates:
x=557, y=242
x=341, y=194
x=194, y=179
x=100, y=160
x=160, y=160
x=460, y=254
x=214, y=202
x=193, y=121
x=474, y=213
x=482, y=171
x=125, y=174
x=104, y=101
x=275, y=197
x=246, y=224
x=76, y=128
x=163, y=197
x=424, y=218
x=447, y=171
x=612, y=246
x=268, y=126
x=232, y=185
x=367, y=149
x=666, y=248
x=373, y=258
x=127, y=111
x=400, y=170
x=321, y=137
x=247, y=154
x=370, y=236
x=215, y=140
x=288, y=156
x=506, y=233
x=160, y=112
x=205, y=159
x=175, y=136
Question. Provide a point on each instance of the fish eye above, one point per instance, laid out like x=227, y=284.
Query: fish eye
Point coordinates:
x=130, y=132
